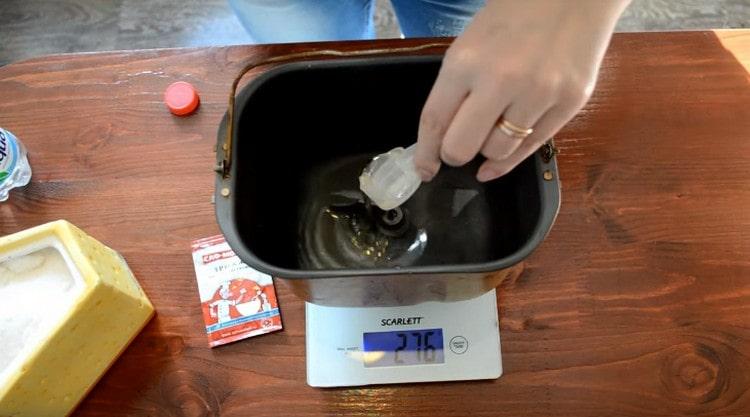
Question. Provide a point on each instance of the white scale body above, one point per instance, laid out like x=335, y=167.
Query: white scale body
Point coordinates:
x=354, y=346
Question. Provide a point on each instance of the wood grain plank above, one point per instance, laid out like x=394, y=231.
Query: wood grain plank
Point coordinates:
x=635, y=305
x=37, y=27
x=644, y=15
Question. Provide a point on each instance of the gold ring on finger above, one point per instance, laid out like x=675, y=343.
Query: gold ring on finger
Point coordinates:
x=513, y=130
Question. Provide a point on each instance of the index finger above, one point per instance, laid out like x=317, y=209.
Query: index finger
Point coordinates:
x=441, y=106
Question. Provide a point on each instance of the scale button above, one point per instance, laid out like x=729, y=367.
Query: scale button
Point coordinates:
x=459, y=345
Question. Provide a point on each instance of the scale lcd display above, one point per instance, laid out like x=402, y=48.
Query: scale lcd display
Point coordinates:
x=403, y=348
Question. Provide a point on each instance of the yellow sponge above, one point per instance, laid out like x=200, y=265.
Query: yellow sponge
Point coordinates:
x=68, y=307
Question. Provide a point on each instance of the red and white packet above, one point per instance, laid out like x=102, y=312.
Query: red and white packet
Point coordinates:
x=237, y=301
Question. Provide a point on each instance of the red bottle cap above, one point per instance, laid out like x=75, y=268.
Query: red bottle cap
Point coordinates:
x=181, y=98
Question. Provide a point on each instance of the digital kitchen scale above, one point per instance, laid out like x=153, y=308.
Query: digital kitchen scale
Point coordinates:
x=433, y=341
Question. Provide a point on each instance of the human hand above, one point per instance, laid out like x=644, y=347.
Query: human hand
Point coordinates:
x=532, y=63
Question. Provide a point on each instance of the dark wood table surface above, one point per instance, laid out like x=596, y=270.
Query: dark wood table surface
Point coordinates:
x=637, y=304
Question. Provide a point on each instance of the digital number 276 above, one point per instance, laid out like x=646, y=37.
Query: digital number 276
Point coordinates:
x=425, y=351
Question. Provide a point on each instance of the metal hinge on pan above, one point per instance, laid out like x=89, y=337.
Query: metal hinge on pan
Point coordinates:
x=548, y=151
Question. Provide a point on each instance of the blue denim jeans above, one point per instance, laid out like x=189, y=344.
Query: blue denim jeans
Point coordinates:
x=279, y=21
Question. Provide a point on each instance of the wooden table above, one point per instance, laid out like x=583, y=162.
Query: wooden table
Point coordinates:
x=638, y=303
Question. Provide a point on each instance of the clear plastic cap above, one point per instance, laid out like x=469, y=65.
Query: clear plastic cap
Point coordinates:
x=391, y=178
